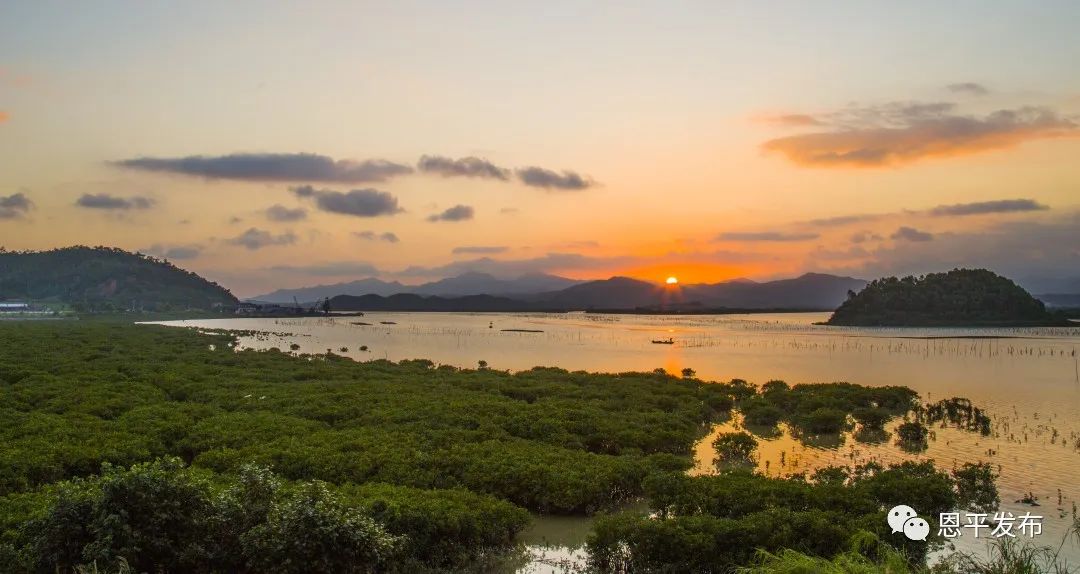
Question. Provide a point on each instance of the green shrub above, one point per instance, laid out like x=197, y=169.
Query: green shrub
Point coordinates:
x=311, y=530
x=912, y=433
x=734, y=447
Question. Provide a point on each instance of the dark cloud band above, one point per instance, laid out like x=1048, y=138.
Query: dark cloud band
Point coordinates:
x=456, y=213
x=911, y=234
x=273, y=167
x=15, y=206
x=255, y=239
x=372, y=236
x=112, y=202
x=463, y=167
x=899, y=134
x=550, y=179
x=358, y=202
x=765, y=236
x=984, y=207
x=480, y=249
x=281, y=213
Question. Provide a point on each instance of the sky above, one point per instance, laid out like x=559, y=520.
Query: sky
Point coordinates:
x=270, y=145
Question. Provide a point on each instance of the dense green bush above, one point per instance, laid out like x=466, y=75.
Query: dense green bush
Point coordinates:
x=161, y=515
x=713, y=523
x=734, y=447
x=76, y=395
x=439, y=527
x=824, y=408
x=912, y=433
x=400, y=467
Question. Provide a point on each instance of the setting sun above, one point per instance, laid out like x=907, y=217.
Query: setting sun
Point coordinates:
x=672, y=280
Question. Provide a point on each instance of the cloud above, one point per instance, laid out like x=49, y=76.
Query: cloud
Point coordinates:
x=854, y=252
x=372, y=236
x=1041, y=255
x=463, y=167
x=764, y=236
x=911, y=234
x=968, y=88
x=509, y=210
x=177, y=252
x=234, y=220
x=558, y=262
x=790, y=120
x=456, y=213
x=333, y=269
x=279, y=212
x=550, y=179
x=358, y=202
x=4, y=117
x=15, y=206
x=272, y=167
x=517, y=267
x=112, y=202
x=983, y=207
x=255, y=239
x=584, y=244
x=845, y=219
x=904, y=133
x=865, y=236
x=480, y=249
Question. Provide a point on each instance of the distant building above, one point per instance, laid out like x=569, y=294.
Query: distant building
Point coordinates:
x=13, y=306
x=247, y=309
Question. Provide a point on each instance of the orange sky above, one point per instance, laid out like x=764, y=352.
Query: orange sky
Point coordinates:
x=588, y=141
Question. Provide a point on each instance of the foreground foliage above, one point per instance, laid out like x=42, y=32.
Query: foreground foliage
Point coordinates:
x=716, y=523
x=75, y=395
x=824, y=408
x=869, y=556
x=161, y=516
x=444, y=460
x=158, y=449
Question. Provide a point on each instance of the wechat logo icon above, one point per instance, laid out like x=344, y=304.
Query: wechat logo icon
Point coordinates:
x=903, y=518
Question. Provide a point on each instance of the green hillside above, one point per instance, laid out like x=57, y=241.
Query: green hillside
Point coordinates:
x=105, y=279
x=961, y=297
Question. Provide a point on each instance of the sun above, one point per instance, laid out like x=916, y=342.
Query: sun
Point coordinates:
x=672, y=280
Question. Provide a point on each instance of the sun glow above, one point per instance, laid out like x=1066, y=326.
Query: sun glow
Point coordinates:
x=672, y=281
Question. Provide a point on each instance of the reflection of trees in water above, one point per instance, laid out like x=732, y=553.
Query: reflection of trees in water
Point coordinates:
x=958, y=412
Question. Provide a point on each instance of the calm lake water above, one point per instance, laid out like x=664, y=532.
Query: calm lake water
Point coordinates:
x=1027, y=379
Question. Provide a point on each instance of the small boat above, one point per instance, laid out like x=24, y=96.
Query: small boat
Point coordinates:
x=388, y=322
x=663, y=341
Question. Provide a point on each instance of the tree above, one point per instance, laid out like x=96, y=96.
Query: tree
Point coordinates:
x=959, y=297
x=312, y=531
x=734, y=448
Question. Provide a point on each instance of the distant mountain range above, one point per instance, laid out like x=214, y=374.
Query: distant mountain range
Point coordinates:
x=809, y=291
x=466, y=284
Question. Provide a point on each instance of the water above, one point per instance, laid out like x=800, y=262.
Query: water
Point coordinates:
x=1027, y=379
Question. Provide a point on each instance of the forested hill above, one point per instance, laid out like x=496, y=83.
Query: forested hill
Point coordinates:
x=105, y=279
x=961, y=297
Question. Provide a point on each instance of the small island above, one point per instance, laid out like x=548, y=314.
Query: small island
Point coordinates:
x=958, y=298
